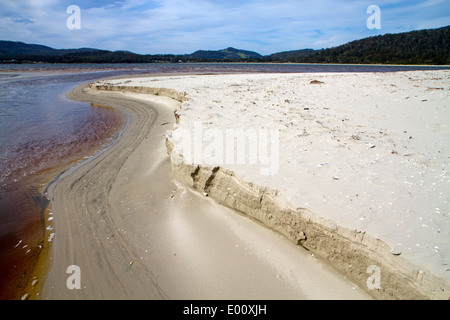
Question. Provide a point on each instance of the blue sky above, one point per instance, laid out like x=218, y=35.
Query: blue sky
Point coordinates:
x=184, y=26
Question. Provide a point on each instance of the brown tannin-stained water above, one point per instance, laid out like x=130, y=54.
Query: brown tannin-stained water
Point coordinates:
x=41, y=133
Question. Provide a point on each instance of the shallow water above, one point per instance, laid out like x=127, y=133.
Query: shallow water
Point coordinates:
x=42, y=132
x=39, y=130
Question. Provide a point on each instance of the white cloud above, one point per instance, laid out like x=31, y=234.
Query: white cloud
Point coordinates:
x=182, y=26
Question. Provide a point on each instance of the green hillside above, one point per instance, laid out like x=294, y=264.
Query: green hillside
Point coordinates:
x=430, y=46
x=225, y=54
x=16, y=49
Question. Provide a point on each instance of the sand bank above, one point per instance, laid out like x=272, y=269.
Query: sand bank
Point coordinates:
x=135, y=233
x=362, y=177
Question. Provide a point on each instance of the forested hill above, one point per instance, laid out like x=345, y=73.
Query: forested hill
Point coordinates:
x=225, y=54
x=288, y=56
x=22, y=52
x=431, y=46
x=16, y=49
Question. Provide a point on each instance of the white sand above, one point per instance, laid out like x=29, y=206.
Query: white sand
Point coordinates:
x=137, y=234
x=368, y=152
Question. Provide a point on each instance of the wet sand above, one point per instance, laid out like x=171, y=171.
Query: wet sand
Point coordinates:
x=135, y=233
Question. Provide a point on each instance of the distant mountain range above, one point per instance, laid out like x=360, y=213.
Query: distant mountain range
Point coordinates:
x=431, y=46
x=12, y=49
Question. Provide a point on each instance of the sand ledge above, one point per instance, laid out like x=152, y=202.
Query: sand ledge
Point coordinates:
x=137, y=239
x=350, y=251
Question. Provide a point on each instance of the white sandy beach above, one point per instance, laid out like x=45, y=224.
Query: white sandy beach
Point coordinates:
x=361, y=154
x=136, y=233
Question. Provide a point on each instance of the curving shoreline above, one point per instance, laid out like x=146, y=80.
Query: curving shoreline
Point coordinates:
x=66, y=192
x=130, y=245
x=351, y=251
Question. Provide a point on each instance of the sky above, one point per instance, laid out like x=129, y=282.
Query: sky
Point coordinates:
x=182, y=27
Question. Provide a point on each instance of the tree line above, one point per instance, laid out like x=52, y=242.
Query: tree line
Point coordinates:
x=430, y=47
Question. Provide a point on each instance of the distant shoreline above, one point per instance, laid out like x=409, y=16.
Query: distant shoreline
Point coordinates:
x=432, y=66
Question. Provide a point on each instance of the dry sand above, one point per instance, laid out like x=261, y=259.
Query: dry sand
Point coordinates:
x=363, y=173
x=135, y=233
